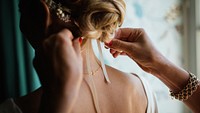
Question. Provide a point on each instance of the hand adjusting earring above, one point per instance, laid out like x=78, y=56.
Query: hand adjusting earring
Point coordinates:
x=62, y=12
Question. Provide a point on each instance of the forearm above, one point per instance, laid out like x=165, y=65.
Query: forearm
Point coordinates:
x=176, y=79
x=173, y=76
x=137, y=45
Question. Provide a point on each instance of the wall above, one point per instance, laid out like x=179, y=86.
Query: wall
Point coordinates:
x=198, y=36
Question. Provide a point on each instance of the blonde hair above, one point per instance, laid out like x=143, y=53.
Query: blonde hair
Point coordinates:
x=97, y=19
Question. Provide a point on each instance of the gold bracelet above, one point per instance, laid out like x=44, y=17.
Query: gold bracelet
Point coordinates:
x=188, y=90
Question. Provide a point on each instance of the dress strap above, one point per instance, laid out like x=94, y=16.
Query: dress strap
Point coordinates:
x=152, y=103
x=93, y=90
x=90, y=80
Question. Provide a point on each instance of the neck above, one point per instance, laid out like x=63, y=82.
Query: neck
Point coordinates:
x=90, y=61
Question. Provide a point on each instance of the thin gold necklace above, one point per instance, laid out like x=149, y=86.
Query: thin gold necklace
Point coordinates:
x=93, y=72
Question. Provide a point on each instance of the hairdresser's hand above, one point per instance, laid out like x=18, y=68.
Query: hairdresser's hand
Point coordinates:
x=136, y=44
x=59, y=66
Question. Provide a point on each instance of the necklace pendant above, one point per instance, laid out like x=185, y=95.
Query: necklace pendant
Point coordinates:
x=92, y=73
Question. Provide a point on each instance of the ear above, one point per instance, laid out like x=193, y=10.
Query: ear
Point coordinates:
x=47, y=13
x=34, y=21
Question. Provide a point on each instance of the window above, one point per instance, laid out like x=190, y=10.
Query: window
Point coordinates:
x=191, y=39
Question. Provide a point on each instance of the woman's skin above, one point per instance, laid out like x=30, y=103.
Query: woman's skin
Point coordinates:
x=65, y=86
x=60, y=65
x=136, y=44
x=60, y=62
x=60, y=78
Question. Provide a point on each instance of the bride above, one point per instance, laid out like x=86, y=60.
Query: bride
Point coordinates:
x=73, y=79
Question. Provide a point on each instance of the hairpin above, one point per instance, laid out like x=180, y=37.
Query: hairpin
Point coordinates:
x=62, y=12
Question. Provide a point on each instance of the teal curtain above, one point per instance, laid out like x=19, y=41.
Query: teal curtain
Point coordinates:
x=17, y=76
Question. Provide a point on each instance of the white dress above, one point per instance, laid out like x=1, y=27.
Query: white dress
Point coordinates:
x=152, y=103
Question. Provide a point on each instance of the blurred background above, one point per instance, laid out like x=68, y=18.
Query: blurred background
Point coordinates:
x=172, y=25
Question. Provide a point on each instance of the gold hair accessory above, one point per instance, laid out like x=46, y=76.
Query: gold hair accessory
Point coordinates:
x=188, y=90
x=62, y=12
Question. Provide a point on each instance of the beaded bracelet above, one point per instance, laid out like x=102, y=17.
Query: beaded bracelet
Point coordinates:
x=188, y=90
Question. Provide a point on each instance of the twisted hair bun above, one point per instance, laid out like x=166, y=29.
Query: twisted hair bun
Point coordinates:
x=97, y=19
x=101, y=19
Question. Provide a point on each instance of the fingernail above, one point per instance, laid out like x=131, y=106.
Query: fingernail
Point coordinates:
x=115, y=56
x=110, y=43
x=80, y=40
x=105, y=43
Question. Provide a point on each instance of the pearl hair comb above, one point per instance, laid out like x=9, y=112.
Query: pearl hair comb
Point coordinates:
x=62, y=13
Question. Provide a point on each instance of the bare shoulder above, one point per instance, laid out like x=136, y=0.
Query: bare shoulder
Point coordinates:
x=131, y=84
x=127, y=79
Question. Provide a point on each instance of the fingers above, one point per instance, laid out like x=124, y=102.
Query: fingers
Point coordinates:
x=123, y=53
x=119, y=45
x=63, y=36
x=129, y=34
x=124, y=37
x=117, y=53
x=66, y=34
x=77, y=47
x=125, y=40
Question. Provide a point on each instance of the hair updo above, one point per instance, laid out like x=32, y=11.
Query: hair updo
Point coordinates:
x=96, y=19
